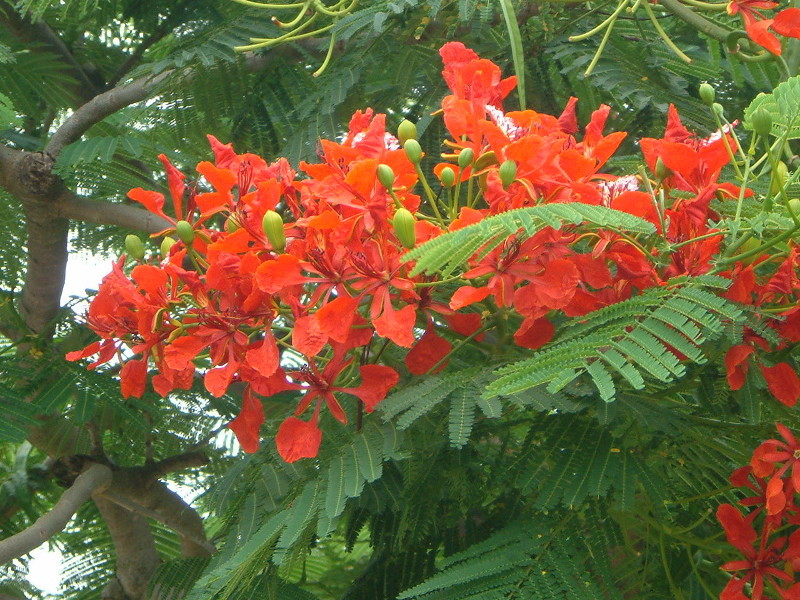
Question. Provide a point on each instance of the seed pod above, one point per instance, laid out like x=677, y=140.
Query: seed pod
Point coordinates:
x=485, y=160
x=448, y=177
x=761, y=121
x=386, y=176
x=273, y=229
x=779, y=178
x=508, y=171
x=413, y=151
x=166, y=244
x=662, y=171
x=406, y=131
x=404, y=227
x=134, y=247
x=707, y=94
x=465, y=158
x=185, y=232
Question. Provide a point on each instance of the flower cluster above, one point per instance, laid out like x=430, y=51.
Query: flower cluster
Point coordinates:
x=275, y=281
x=770, y=556
x=762, y=29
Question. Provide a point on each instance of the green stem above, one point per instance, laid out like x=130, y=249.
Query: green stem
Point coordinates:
x=606, y=36
x=606, y=23
x=663, y=34
x=327, y=60
x=755, y=251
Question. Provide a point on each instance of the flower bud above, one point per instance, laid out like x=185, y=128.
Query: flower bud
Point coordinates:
x=718, y=109
x=134, y=247
x=779, y=178
x=485, y=160
x=185, y=232
x=413, y=151
x=707, y=94
x=273, y=229
x=386, y=176
x=448, y=177
x=465, y=158
x=166, y=245
x=794, y=207
x=403, y=224
x=661, y=170
x=508, y=172
x=761, y=121
x=406, y=131
x=232, y=224
x=750, y=245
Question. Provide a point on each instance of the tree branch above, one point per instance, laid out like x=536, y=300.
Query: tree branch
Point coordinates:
x=72, y=206
x=95, y=478
x=41, y=33
x=100, y=107
x=188, y=533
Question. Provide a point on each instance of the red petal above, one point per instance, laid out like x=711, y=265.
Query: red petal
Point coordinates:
x=176, y=186
x=776, y=499
x=150, y=278
x=787, y=22
x=757, y=31
x=93, y=348
x=152, y=201
x=534, y=333
x=736, y=365
x=274, y=275
x=307, y=336
x=223, y=180
x=466, y=295
x=297, y=439
x=397, y=325
x=428, y=351
x=738, y=530
x=783, y=383
x=217, y=380
x=680, y=158
x=265, y=358
x=376, y=381
x=465, y=323
x=248, y=423
x=336, y=317
x=133, y=378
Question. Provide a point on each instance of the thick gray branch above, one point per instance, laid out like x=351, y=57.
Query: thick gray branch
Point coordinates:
x=93, y=479
x=74, y=207
x=100, y=107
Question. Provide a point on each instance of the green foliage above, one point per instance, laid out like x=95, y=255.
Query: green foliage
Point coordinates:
x=782, y=105
x=446, y=252
x=635, y=340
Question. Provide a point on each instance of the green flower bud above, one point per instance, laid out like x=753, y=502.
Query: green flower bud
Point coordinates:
x=406, y=131
x=485, y=160
x=794, y=207
x=166, y=244
x=386, y=176
x=508, y=171
x=448, y=177
x=403, y=224
x=413, y=151
x=662, y=171
x=185, y=232
x=761, y=121
x=232, y=224
x=718, y=109
x=779, y=179
x=273, y=229
x=707, y=94
x=134, y=247
x=465, y=158
x=750, y=245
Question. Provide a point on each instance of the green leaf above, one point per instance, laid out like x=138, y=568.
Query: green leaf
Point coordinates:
x=783, y=105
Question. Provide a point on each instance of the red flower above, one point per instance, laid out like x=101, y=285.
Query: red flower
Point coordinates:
x=246, y=426
x=298, y=439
